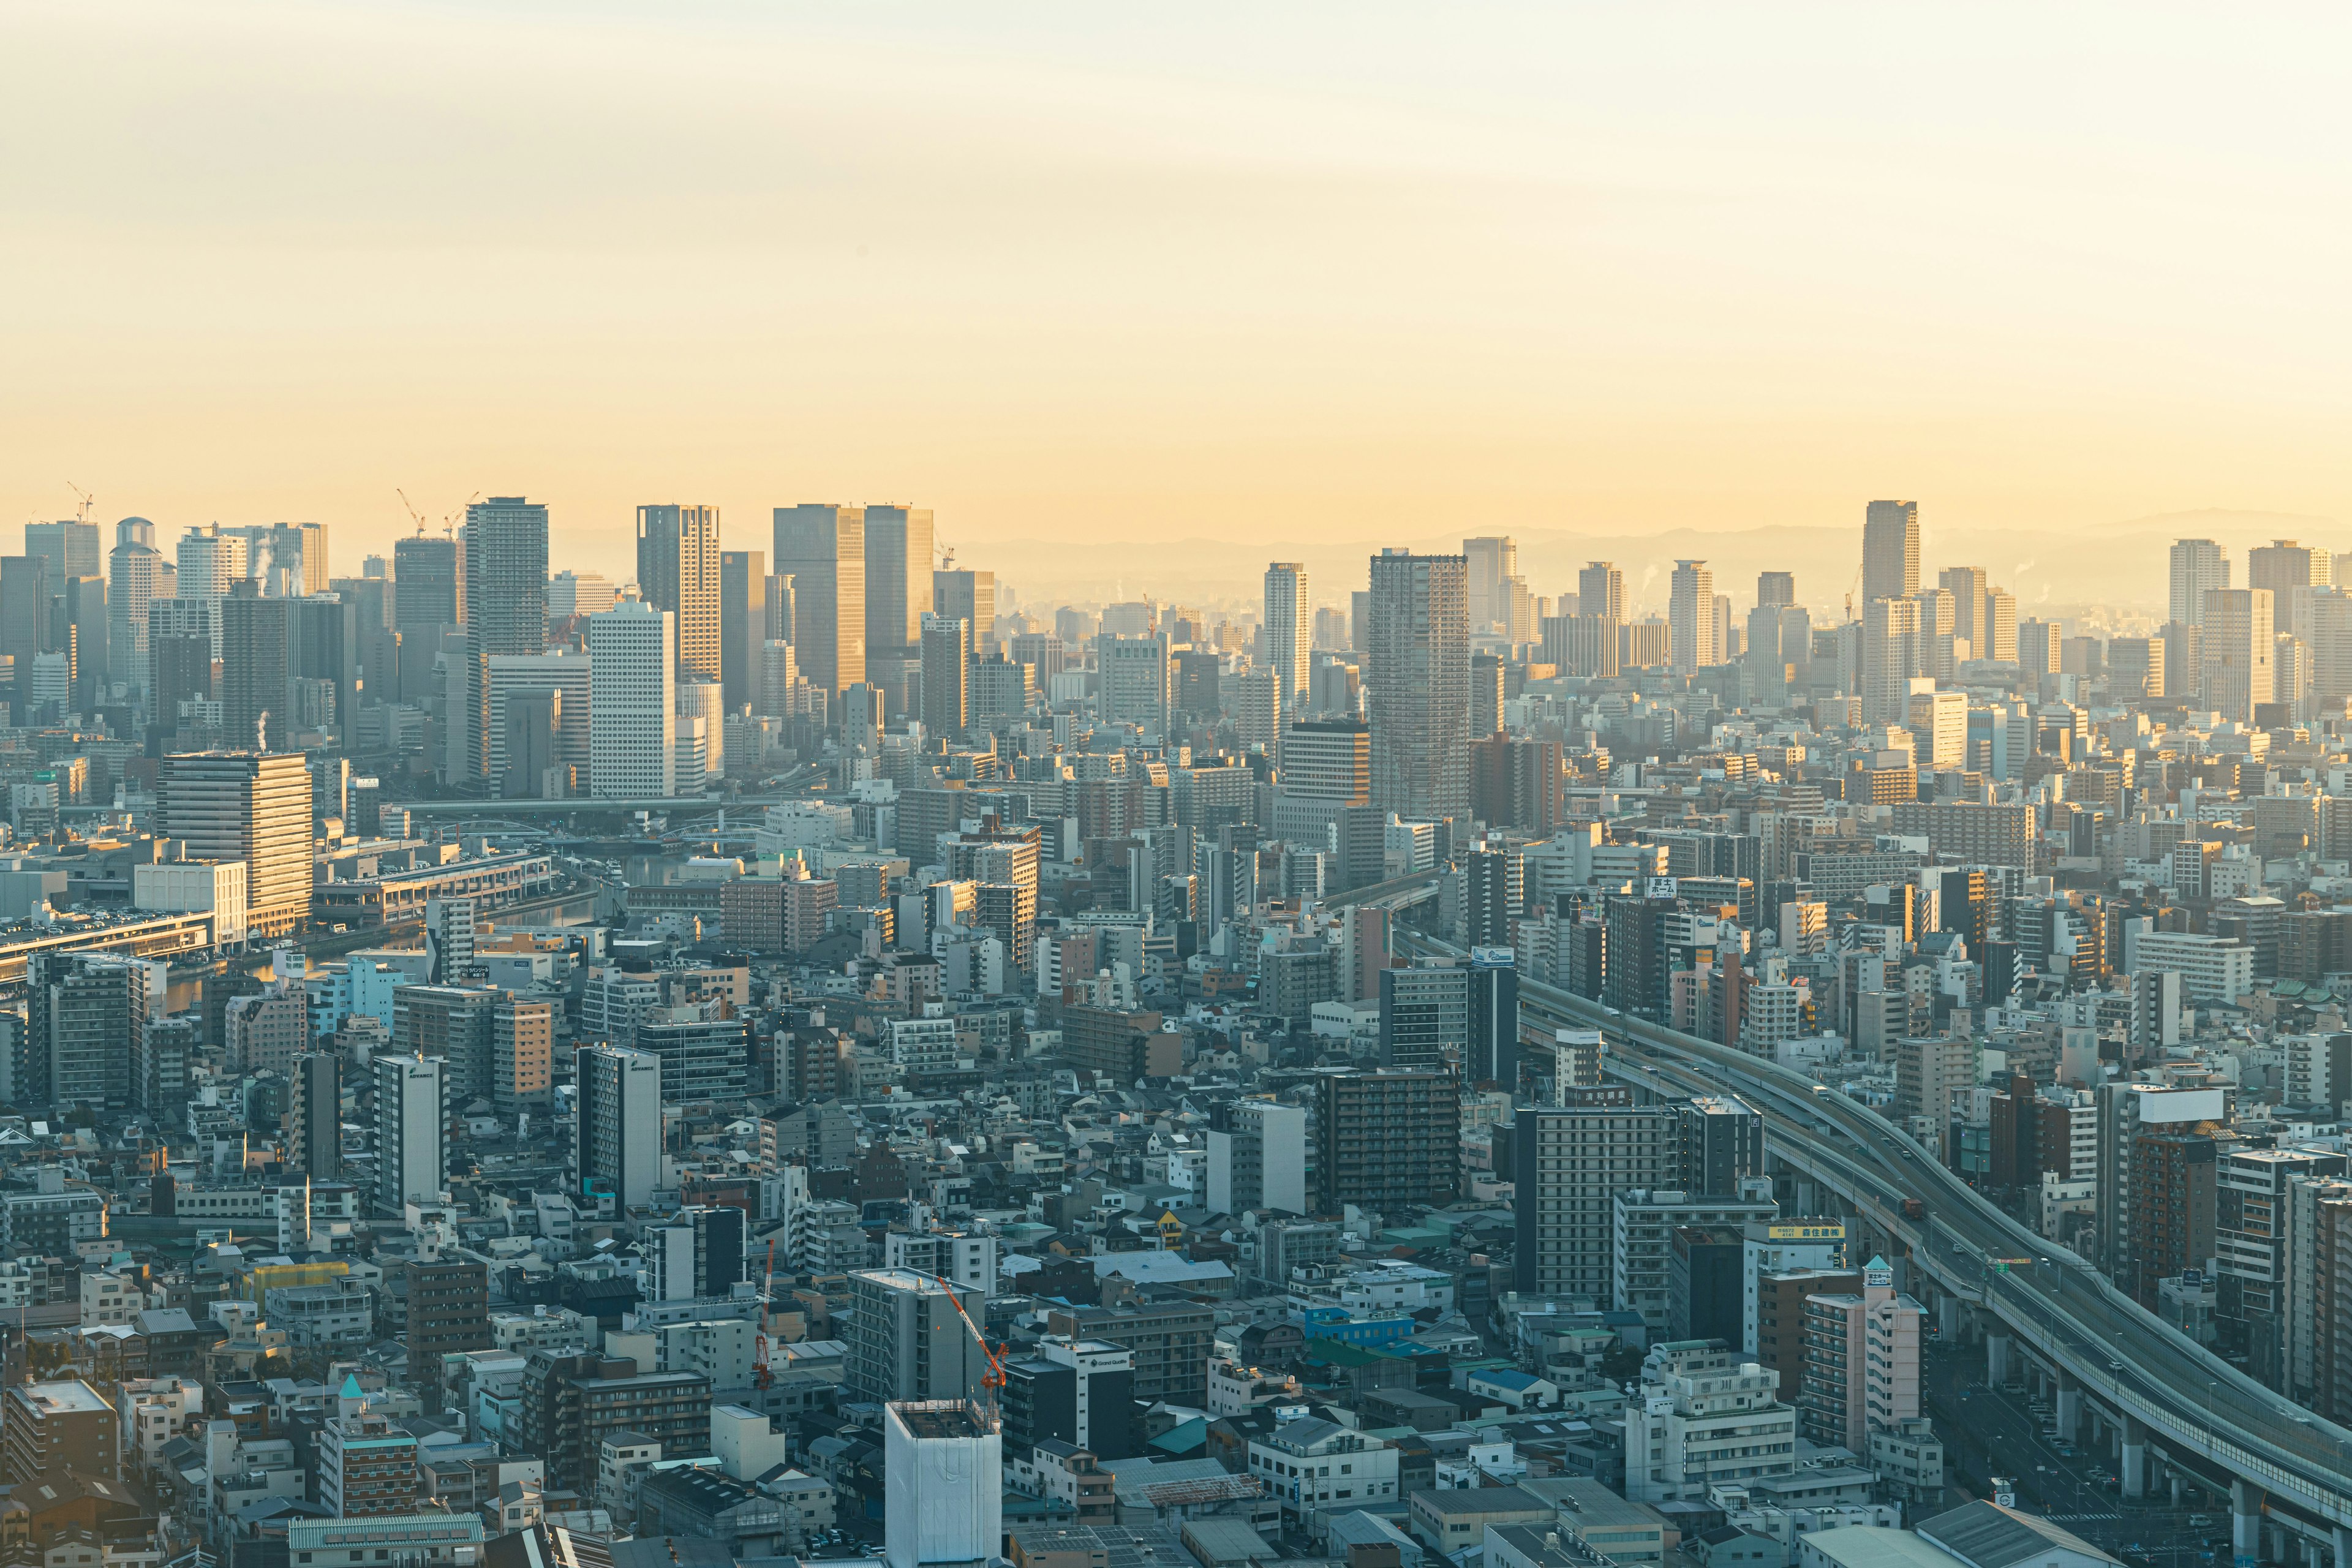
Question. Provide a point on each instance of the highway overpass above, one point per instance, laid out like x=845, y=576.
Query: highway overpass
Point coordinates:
x=2276, y=1459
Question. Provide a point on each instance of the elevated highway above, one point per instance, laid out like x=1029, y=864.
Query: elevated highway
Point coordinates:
x=2278, y=1459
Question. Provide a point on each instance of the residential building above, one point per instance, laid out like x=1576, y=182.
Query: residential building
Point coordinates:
x=1861, y=1361
x=1387, y=1138
x=1417, y=685
x=1705, y=1417
x=679, y=571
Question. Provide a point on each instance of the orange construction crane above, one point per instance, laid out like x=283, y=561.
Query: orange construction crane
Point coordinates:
x=994, y=1378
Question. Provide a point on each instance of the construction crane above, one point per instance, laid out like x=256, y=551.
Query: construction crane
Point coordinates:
x=994, y=1378
x=1850, y=592
x=761, y=1376
x=87, y=501
x=412, y=509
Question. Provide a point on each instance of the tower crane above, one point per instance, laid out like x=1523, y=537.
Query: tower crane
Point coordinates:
x=761, y=1375
x=993, y=1379
x=1851, y=589
x=411, y=505
x=87, y=501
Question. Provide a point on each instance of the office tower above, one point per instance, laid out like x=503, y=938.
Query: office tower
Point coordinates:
x=506, y=557
x=428, y=588
x=1601, y=593
x=314, y=1121
x=1492, y=1050
x=697, y=1252
x=2199, y=567
x=1491, y=563
x=969, y=596
x=448, y=1314
x=48, y=1429
x=1890, y=551
x=704, y=1048
x=943, y=1486
x=823, y=550
x=1133, y=677
x=2239, y=652
x=2000, y=624
x=1417, y=681
x=1518, y=784
x=700, y=729
x=907, y=1339
x=780, y=679
x=633, y=703
x=570, y=594
x=249, y=806
x=71, y=549
x=1487, y=683
x=1288, y=629
x=411, y=1118
x=1569, y=1164
x=1197, y=689
x=1258, y=711
x=1690, y=616
x=947, y=675
x=135, y=571
x=1890, y=659
x=84, y=1015
x=1967, y=588
x=1328, y=759
x=1424, y=1017
x=617, y=1141
x=78, y=629
x=1257, y=1157
x=560, y=725
x=1387, y=1138
x=742, y=626
x=679, y=571
x=323, y=672
x=1775, y=589
x=898, y=579
x=2282, y=565
x=253, y=653
x=24, y=617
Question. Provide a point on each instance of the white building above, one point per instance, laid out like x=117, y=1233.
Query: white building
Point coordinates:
x=1705, y=1417
x=2211, y=968
x=633, y=702
x=1259, y=1159
x=943, y=1485
x=1312, y=1465
x=411, y=1116
x=194, y=887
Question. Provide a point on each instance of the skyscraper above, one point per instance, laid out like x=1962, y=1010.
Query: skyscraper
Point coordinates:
x=2280, y=566
x=617, y=1140
x=679, y=571
x=136, y=573
x=1289, y=629
x=2239, y=651
x=210, y=560
x=411, y=1118
x=1966, y=584
x=1890, y=550
x=633, y=703
x=506, y=550
x=1690, y=616
x=254, y=710
x=315, y=1116
x=1601, y=593
x=83, y=1016
x=428, y=589
x=2199, y=566
x=1133, y=672
x=1493, y=561
x=1890, y=657
x=897, y=578
x=1775, y=589
x=742, y=626
x=946, y=674
x=823, y=550
x=970, y=596
x=1417, y=684
x=71, y=548
x=251, y=806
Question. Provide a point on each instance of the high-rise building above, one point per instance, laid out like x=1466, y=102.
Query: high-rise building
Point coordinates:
x=83, y=1017
x=251, y=806
x=2199, y=566
x=943, y=1485
x=697, y=1252
x=1890, y=659
x=570, y=594
x=2282, y=565
x=48, y=1429
x=1257, y=1157
x=410, y=1125
x=428, y=589
x=679, y=571
x=136, y=575
x=506, y=552
x=1133, y=676
x=742, y=626
x=70, y=548
x=898, y=569
x=969, y=596
x=1601, y=593
x=255, y=646
x=1387, y=1138
x=522, y=1046
x=2239, y=652
x=1417, y=681
x=1328, y=759
x=1492, y=562
x=1703, y=1411
x=823, y=550
x=616, y=1144
x=1890, y=551
x=448, y=1314
x=947, y=675
x=908, y=1338
x=633, y=703
x=1690, y=616
x=1775, y=590
x=1570, y=1165
x=314, y=1121
x=1288, y=629
x=538, y=708
x=1861, y=1361
x=1967, y=588
x=1258, y=711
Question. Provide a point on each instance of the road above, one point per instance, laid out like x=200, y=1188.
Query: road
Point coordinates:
x=2127, y=1358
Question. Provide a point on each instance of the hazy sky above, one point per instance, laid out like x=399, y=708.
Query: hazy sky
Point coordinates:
x=1243, y=272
